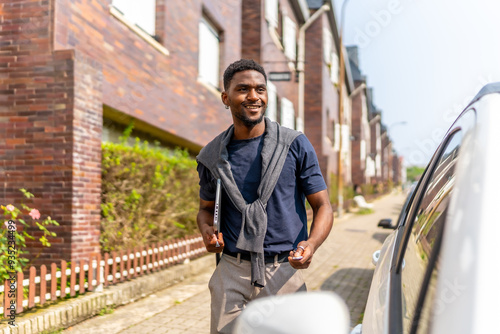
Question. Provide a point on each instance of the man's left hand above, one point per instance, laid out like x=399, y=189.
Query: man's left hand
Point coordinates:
x=301, y=258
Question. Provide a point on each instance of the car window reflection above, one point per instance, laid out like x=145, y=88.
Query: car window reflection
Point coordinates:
x=430, y=216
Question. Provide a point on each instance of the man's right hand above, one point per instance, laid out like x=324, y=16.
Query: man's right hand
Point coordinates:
x=210, y=240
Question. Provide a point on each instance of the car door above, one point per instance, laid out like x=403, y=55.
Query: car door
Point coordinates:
x=417, y=257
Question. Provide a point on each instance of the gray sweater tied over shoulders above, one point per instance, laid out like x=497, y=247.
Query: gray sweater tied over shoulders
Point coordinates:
x=214, y=156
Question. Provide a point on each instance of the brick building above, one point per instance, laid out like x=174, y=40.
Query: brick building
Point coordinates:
x=397, y=167
x=73, y=70
x=386, y=156
x=270, y=37
x=363, y=166
x=375, y=121
x=322, y=94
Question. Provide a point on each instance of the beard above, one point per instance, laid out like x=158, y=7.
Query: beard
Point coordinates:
x=248, y=122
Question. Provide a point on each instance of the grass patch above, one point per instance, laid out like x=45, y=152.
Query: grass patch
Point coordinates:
x=360, y=319
x=364, y=211
x=106, y=310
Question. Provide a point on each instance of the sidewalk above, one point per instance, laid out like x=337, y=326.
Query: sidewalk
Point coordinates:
x=342, y=264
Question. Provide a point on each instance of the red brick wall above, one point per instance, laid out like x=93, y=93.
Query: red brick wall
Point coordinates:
x=140, y=81
x=49, y=135
x=252, y=25
x=257, y=44
x=87, y=130
x=321, y=99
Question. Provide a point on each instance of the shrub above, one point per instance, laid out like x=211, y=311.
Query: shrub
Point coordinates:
x=149, y=194
x=347, y=193
x=13, y=235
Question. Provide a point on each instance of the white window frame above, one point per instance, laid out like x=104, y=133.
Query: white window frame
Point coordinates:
x=209, y=53
x=362, y=150
x=287, y=113
x=141, y=13
x=345, y=138
x=334, y=68
x=290, y=38
x=327, y=46
x=272, y=13
x=272, y=102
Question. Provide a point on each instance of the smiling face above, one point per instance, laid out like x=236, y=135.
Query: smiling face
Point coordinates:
x=246, y=96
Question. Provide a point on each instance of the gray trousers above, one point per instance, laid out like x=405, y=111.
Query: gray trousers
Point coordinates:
x=231, y=290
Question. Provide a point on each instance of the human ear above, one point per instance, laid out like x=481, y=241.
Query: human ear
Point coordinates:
x=224, y=99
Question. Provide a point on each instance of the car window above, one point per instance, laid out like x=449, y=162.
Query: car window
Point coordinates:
x=428, y=308
x=428, y=222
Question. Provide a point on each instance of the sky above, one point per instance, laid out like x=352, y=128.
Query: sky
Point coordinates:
x=425, y=60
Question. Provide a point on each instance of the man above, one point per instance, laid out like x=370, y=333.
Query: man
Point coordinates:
x=267, y=171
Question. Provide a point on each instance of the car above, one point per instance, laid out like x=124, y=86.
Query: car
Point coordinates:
x=437, y=271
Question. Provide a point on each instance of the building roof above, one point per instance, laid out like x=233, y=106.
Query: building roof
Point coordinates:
x=314, y=4
x=352, y=51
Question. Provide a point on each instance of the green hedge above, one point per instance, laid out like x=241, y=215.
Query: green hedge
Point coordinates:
x=149, y=194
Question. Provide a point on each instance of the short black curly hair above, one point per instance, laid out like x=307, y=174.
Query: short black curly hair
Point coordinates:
x=239, y=66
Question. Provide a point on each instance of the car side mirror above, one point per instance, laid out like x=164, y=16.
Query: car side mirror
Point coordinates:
x=318, y=312
x=386, y=223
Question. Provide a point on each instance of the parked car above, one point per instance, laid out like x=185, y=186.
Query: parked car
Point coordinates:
x=437, y=272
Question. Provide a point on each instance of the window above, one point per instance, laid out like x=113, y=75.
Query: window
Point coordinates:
x=345, y=137
x=140, y=13
x=329, y=56
x=427, y=226
x=208, y=60
x=272, y=102
x=287, y=113
x=327, y=46
x=362, y=150
x=290, y=38
x=334, y=68
x=272, y=13
x=370, y=167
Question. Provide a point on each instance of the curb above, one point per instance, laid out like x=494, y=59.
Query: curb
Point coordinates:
x=68, y=313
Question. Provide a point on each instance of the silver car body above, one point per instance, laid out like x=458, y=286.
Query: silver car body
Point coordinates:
x=465, y=280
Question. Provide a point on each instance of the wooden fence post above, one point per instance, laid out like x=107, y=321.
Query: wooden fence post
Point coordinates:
x=53, y=281
x=98, y=270
x=20, y=292
x=32, y=288
x=106, y=269
x=141, y=260
x=63, y=278
x=90, y=274
x=72, y=281
x=113, y=266
x=82, y=277
x=129, y=265
x=43, y=283
x=136, y=261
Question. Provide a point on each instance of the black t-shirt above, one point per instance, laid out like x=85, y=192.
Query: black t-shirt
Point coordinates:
x=286, y=212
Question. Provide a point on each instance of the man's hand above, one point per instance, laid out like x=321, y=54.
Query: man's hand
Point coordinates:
x=210, y=240
x=301, y=257
x=205, y=220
